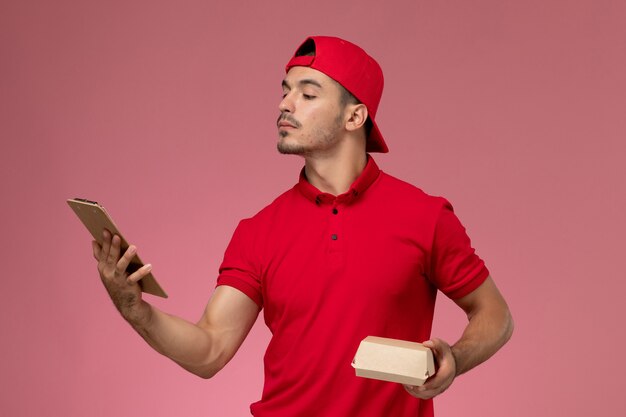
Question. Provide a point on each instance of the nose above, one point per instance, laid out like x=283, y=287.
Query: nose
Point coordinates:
x=286, y=104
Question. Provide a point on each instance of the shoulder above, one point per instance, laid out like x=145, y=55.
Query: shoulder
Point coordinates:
x=407, y=193
x=285, y=202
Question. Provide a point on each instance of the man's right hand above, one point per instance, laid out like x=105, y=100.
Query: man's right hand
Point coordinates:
x=202, y=348
x=123, y=288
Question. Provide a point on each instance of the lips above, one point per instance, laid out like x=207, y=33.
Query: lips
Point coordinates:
x=285, y=121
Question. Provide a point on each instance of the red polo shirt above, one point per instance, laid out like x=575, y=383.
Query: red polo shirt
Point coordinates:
x=331, y=270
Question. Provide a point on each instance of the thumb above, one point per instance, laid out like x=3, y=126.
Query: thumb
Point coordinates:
x=434, y=344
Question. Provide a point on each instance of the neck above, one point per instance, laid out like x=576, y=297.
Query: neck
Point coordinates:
x=334, y=173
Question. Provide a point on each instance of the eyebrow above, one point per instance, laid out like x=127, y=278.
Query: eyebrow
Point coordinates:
x=306, y=81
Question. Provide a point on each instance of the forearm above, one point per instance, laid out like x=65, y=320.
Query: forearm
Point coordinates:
x=186, y=343
x=487, y=331
x=202, y=348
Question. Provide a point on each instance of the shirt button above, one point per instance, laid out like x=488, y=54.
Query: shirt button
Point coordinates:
x=333, y=237
x=335, y=211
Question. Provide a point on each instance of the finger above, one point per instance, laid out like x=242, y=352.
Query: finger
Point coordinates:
x=434, y=383
x=427, y=394
x=139, y=274
x=436, y=345
x=433, y=386
x=95, y=246
x=430, y=344
x=106, y=245
x=418, y=392
x=114, y=253
x=439, y=348
x=411, y=389
x=125, y=260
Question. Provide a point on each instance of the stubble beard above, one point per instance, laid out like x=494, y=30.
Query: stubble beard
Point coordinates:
x=324, y=139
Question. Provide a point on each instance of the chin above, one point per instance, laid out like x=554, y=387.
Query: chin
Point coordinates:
x=286, y=149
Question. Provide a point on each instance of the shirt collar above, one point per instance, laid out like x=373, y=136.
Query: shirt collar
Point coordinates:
x=367, y=177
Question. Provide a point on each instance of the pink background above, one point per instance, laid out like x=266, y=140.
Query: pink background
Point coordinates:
x=164, y=112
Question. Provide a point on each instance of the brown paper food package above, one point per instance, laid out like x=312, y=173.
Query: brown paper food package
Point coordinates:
x=394, y=361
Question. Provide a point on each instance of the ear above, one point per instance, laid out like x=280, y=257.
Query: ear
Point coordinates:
x=356, y=117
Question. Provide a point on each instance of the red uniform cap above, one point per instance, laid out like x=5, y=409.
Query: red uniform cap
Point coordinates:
x=351, y=67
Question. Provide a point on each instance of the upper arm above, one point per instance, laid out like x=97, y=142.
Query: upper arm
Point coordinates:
x=228, y=318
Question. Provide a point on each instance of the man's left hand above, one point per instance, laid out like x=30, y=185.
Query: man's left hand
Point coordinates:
x=445, y=374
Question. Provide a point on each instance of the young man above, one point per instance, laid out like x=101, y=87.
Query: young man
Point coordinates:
x=348, y=252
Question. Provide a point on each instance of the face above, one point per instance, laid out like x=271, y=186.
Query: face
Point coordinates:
x=311, y=114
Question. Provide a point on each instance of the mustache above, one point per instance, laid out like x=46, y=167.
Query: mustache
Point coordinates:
x=287, y=118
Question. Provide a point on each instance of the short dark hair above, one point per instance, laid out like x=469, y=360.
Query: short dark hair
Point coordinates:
x=308, y=49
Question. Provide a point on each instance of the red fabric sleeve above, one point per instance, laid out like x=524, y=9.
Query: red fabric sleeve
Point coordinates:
x=455, y=268
x=240, y=269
